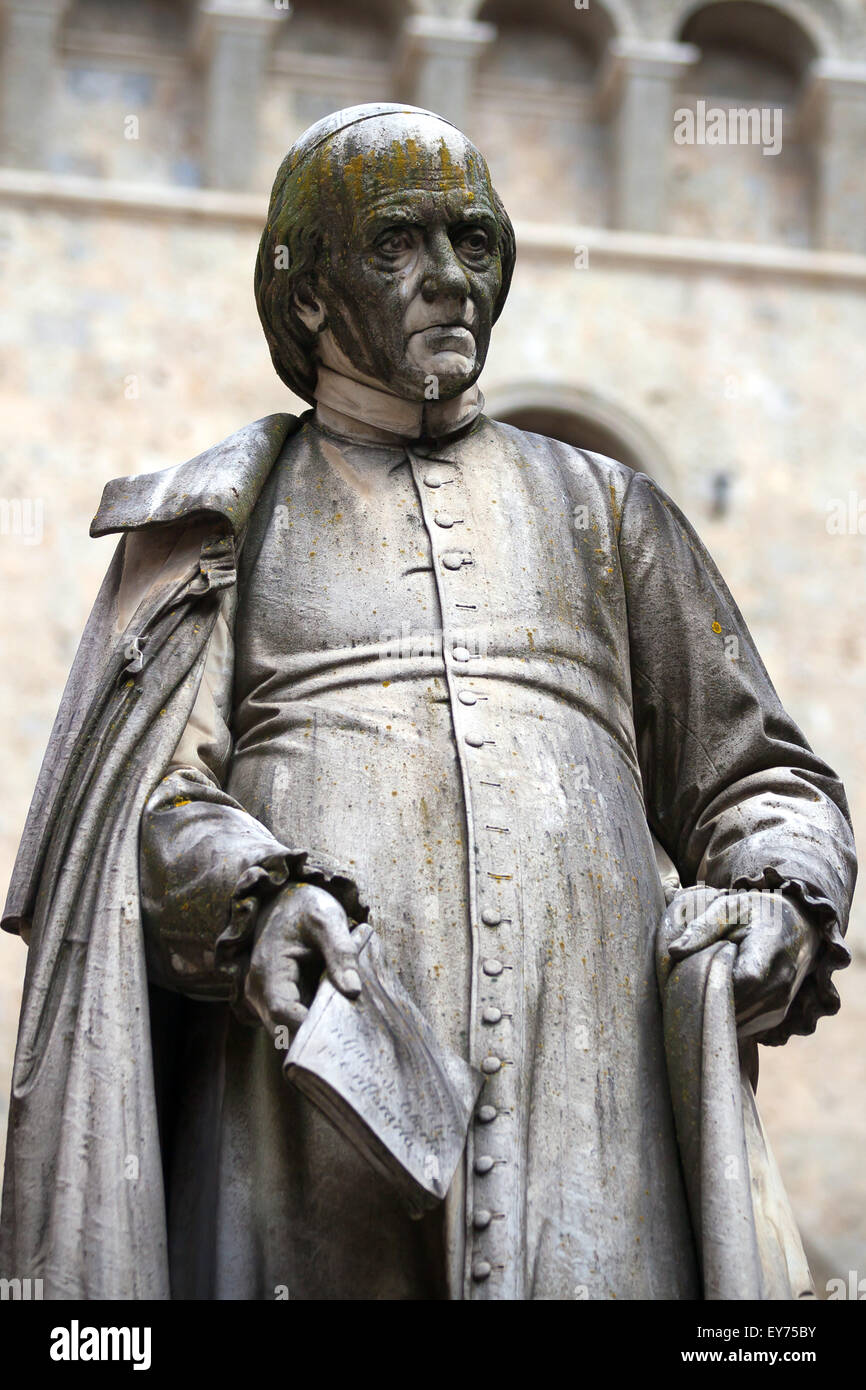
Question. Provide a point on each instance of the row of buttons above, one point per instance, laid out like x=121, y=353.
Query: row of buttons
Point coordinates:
x=491, y=1065
x=490, y=1172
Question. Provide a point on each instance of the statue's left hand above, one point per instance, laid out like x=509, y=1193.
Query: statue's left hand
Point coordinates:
x=776, y=946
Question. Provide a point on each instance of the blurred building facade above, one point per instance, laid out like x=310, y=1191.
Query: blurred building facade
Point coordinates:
x=688, y=186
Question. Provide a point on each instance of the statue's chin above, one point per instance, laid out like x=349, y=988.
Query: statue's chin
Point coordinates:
x=453, y=372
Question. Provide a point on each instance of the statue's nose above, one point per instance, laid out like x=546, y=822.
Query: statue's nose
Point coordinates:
x=444, y=277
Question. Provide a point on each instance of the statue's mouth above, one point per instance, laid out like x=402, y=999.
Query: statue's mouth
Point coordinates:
x=449, y=337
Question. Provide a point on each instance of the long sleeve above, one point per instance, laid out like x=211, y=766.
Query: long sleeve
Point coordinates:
x=205, y=863
x=732, y=789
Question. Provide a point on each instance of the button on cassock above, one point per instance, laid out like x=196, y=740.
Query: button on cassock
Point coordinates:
x=484, y=747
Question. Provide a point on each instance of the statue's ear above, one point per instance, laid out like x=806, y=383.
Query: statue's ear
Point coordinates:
x=309, y=308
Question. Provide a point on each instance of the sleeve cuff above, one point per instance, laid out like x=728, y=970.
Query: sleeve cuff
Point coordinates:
x=817, y=996
x=206, y=865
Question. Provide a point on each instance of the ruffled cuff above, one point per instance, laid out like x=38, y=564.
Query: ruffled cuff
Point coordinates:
x=206, y=865
x=817, y=996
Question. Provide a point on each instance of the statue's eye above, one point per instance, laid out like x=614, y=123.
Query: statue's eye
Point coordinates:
x=473, y=242
x=396, y=242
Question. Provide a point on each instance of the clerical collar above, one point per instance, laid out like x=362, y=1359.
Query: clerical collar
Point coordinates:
x=349, y=407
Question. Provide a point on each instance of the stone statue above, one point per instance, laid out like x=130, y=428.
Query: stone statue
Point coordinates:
x=395, y=662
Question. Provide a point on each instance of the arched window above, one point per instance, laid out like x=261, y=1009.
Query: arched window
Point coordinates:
x=740, y=168
x=534, y=108
x=582, y=418
x=124, y=106
x=342, y=29
x=330, y=54
x=162, y=24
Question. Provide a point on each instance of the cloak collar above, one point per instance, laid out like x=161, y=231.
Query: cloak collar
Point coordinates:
x=224, y=481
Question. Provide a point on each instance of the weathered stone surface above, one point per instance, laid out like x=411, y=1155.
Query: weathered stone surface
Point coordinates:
x=132, y=342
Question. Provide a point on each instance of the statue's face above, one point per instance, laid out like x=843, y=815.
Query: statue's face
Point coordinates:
x=412, y=269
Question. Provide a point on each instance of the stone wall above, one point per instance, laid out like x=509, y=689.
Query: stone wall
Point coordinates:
x=724, y=343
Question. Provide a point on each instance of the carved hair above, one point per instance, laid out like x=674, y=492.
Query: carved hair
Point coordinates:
x=292, y=243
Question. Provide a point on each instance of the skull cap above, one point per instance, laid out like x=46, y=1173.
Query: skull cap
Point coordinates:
x=322, y=131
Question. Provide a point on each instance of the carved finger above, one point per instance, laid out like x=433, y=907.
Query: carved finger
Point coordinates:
x=724, y=920
x=280, y=1005
x=288, y=1013
x=764, y=975
x=334, y=940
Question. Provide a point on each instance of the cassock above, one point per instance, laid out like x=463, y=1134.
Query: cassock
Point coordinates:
x=466, y=677
x=461, y=682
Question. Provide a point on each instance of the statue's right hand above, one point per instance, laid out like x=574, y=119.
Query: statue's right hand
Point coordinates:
x=301, y=932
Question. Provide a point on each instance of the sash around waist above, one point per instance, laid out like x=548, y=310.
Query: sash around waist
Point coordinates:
x=376, y=690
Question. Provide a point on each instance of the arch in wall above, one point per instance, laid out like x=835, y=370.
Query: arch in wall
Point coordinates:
x=329, y=54
x=342, y=28
x=803, y=33
x=557, y=42
x=534, y=107
x=164, y=22
x=754, y=57
x=582, y=418
x=613, y=18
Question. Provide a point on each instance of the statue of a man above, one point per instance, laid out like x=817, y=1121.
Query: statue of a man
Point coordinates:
x=395, y=660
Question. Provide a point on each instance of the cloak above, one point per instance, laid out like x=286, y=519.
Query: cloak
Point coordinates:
x=84, y=1050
